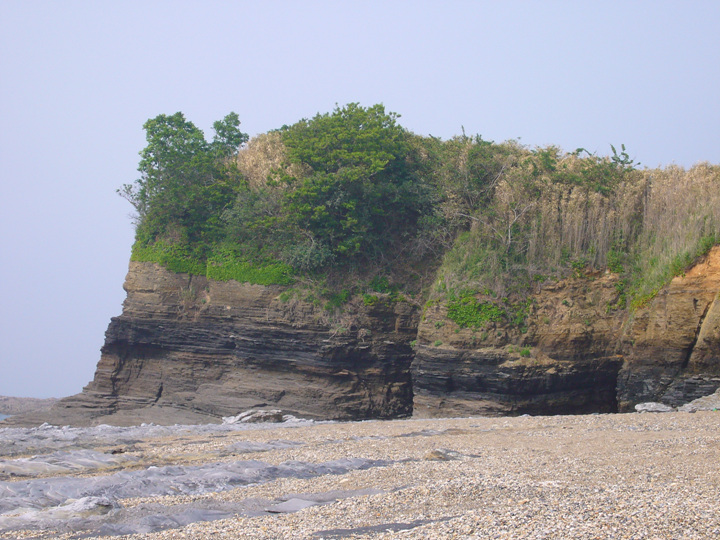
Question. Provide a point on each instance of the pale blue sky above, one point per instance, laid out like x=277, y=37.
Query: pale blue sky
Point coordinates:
x=78, y=80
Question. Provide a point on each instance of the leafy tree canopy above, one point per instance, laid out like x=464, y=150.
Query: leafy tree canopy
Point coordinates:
x=358, y=191
x=354, y=190
x=352, y=137
x=184, y=180
x=228, y=138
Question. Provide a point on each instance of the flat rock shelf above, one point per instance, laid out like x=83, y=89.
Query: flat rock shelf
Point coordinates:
x=587, y=476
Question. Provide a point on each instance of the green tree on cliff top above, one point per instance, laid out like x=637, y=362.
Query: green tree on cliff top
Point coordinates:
x=185, y=181
x=359, y=193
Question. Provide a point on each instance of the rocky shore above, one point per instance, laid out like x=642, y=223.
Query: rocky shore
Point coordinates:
x=19, y=405
x=586, y=476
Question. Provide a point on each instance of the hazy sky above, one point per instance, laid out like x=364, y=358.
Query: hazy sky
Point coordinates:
x=78, y=80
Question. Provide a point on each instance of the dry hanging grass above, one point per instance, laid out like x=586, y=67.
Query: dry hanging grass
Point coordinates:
x=262, y=156
x=654, y=221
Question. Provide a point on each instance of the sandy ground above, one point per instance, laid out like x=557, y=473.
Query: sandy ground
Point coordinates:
x=640, y=476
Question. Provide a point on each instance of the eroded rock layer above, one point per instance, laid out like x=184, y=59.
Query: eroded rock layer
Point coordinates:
x=579, y=352
x=564, y=360
x=672, y=347
x=189, y=350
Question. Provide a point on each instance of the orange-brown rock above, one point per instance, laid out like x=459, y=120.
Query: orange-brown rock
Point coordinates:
x=579, y=352
x=672, y=346
x=188, y=350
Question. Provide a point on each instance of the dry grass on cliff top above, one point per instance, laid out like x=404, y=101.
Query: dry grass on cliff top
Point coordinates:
x=650, y=227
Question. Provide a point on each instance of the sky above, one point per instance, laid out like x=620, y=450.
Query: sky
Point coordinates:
x=79, y=78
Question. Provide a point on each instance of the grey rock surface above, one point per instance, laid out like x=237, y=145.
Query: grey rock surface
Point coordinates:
x=254, y=416
x=706, y=403
x=19, y=405
x=81, y=487
x=653, y=407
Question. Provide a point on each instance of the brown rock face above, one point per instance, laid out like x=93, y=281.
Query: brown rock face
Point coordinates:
x=579, y=352
x=189, y=350
x=564, y=361
x=672, y=347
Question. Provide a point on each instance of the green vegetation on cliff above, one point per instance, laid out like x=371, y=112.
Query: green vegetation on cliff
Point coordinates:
x=347, y=198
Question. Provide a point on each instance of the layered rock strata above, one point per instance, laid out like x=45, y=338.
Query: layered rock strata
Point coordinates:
x=672, y=347
x=565, y=359
x=578, y=352
x=190, y=350
x=187, y=349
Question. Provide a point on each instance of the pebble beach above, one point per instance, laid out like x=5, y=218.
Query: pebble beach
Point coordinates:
x=621, y=476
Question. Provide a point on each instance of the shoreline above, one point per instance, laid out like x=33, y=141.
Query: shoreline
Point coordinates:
x=583, y=476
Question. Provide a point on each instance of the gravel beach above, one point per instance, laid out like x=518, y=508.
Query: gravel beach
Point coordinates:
x=623, y=476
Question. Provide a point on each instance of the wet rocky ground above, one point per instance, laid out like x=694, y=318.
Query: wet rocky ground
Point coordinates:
x=594, y=476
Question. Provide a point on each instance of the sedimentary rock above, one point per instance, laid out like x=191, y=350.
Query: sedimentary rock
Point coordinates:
x=653, y=407
x=705, y=403
x=672, y=346
x=188, y=350
x=564, y=360
x=579, y=351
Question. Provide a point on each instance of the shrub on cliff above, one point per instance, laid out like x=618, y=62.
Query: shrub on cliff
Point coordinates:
x=358, y=194
x=185, y=181
x=336, y=190
x=554, y=214
x=353, y=192
x=347, y=190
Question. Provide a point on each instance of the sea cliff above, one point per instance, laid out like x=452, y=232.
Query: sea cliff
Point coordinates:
x=578, y=353
x=344, y=267
x=189, y=350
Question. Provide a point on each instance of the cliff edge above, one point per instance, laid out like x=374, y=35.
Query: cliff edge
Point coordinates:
x=188, y=350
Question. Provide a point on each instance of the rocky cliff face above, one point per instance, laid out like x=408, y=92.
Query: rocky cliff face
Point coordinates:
x=186, y=349
x=579, y=353
x=672, y=346
x=565, y=360
x=189, y=350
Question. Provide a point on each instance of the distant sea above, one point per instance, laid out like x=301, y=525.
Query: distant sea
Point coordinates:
x=4, y=416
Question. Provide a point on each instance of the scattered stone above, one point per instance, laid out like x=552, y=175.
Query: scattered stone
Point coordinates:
x=254, y=416
x=653, y=407
x=17, y=405
x=707, y=403
x=246, y=447
x=442, y=454
x=616, y=476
